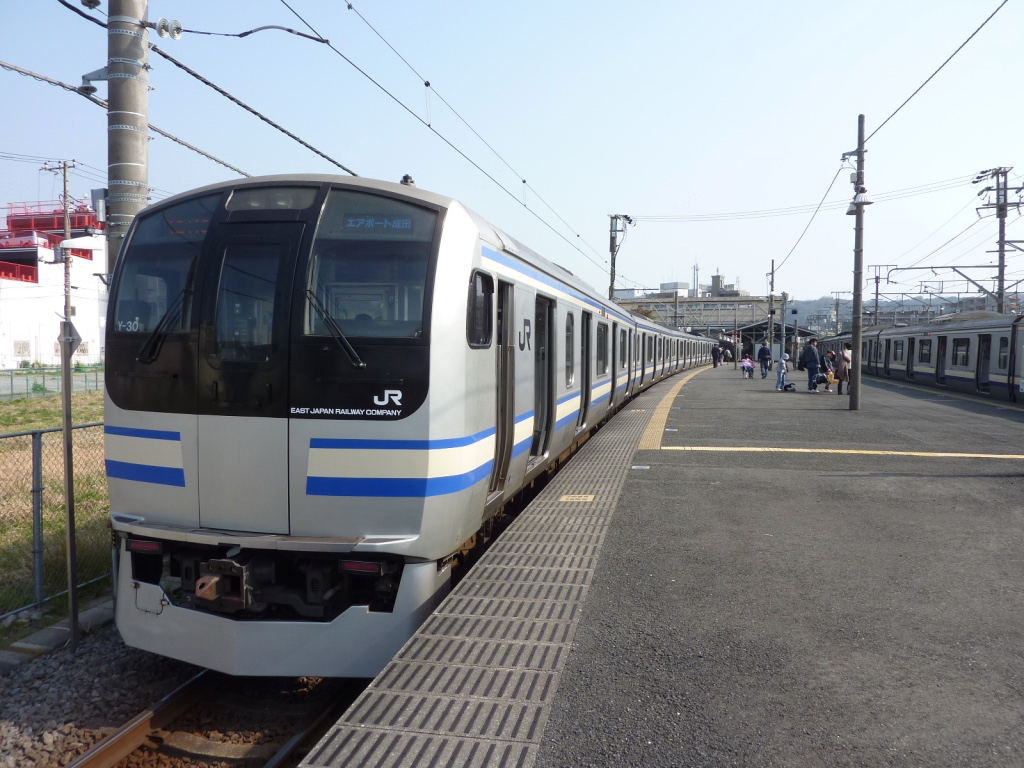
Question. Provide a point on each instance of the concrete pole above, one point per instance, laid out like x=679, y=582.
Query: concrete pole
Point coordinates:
x=69, y=467
x=127, y=120
x=858, y=275
x=1001, y=190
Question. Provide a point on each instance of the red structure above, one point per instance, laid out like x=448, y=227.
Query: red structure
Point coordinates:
x=49, y=217
x=31, y=226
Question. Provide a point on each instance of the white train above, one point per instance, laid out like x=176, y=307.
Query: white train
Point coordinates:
x=976, y=352
x=320, y=391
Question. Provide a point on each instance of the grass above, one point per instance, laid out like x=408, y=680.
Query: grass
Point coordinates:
x=48, y=412
x=92, y=505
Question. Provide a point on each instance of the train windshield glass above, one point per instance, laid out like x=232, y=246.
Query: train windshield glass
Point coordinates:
x=154, y=288
x=369, y=266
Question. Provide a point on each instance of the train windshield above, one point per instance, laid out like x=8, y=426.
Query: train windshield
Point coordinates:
x=155, y=285
x=368, y=268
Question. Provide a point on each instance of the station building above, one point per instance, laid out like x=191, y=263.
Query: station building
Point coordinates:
x=32, y=284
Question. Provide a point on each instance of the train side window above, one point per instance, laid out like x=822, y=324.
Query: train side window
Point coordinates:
x=961, y=352
x=897, y=351
x=602, y=348
x=623, y=360
x=570, y=345
x=924, y=351
x=480, y=311
x=157, y=270
x=1004, y=353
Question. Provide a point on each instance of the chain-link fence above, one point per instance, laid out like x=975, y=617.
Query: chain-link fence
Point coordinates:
x=33, y=526
x=46, y=382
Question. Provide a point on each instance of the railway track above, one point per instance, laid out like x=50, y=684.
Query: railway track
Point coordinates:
x=218, y=720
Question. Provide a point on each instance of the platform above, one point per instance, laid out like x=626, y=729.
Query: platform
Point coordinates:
x=731, y=575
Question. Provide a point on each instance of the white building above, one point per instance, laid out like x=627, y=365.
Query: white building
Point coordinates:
x=32, y=286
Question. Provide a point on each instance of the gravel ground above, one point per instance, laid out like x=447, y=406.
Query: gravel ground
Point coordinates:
x=54, y=708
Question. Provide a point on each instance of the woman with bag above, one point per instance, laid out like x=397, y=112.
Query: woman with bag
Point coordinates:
x=828, y=368
x=843, y=367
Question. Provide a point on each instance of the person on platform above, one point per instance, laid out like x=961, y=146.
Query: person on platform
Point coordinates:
x=783, y=368
x=764, y=357
x=828, y=367
x=810, y=361
x=747, y=367
x=843, y=364
x=716, y=356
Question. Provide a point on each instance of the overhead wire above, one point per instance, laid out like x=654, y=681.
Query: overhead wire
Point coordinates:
x=223, y=92
x=811, y=219
x=442, y=137
x=933, y=74
x=101, y=103
x=431, y=88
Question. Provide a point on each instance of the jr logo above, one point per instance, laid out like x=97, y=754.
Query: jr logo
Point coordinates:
x=524, y=336
x=389, y=396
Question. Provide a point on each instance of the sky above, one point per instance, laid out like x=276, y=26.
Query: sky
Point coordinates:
x=718, y=128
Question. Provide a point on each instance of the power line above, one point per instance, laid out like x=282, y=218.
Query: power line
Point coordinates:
x=249, y=109
x=933, y=74
x=443, y=138
x=431, y=88
x=812, y=219
x=224, y=93
x=101, y=103
x=899, y=194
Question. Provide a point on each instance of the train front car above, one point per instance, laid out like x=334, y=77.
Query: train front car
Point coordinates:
x=284, y=490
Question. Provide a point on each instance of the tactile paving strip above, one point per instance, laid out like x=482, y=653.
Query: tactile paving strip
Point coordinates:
x=472, y=687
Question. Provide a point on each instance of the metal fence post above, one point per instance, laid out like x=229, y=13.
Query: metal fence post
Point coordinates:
x=37, y=515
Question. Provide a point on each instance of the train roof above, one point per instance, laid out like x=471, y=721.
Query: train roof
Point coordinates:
x=489, y=231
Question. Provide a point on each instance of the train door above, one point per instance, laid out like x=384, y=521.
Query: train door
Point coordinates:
x=940, y=361
x=504, y=378
x=585, y=366
x=615, y=363
x=641, y=348
x=910, y=358
x=242, y=375
x=981, y=371
x=888, y=353
x=543, y=375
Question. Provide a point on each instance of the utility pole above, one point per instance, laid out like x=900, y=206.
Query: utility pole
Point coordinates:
x=614, y=243
x=1001, y=189
x=771, y=309
x=836, y=294
x=860, y=199
x=878, y=278
x=127, y=119
x=67, y=347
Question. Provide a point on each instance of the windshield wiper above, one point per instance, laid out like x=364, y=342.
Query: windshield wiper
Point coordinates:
x=150, y=349
x=335, y=329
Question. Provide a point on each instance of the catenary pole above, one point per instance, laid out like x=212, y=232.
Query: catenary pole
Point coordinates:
x=858, y=274
x=127, y=120
x=69, y=465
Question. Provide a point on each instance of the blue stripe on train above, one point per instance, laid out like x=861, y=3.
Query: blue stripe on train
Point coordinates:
x=146, y=473
x=396, y=487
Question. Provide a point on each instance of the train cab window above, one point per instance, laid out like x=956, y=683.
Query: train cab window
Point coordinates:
x=602, y=349
x=924, y=351
x=368, y=269
x=158, y=266
x=245, y=302
x=961, y=352
x=570, y=345
x=479, y=311
x=1004, y=353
